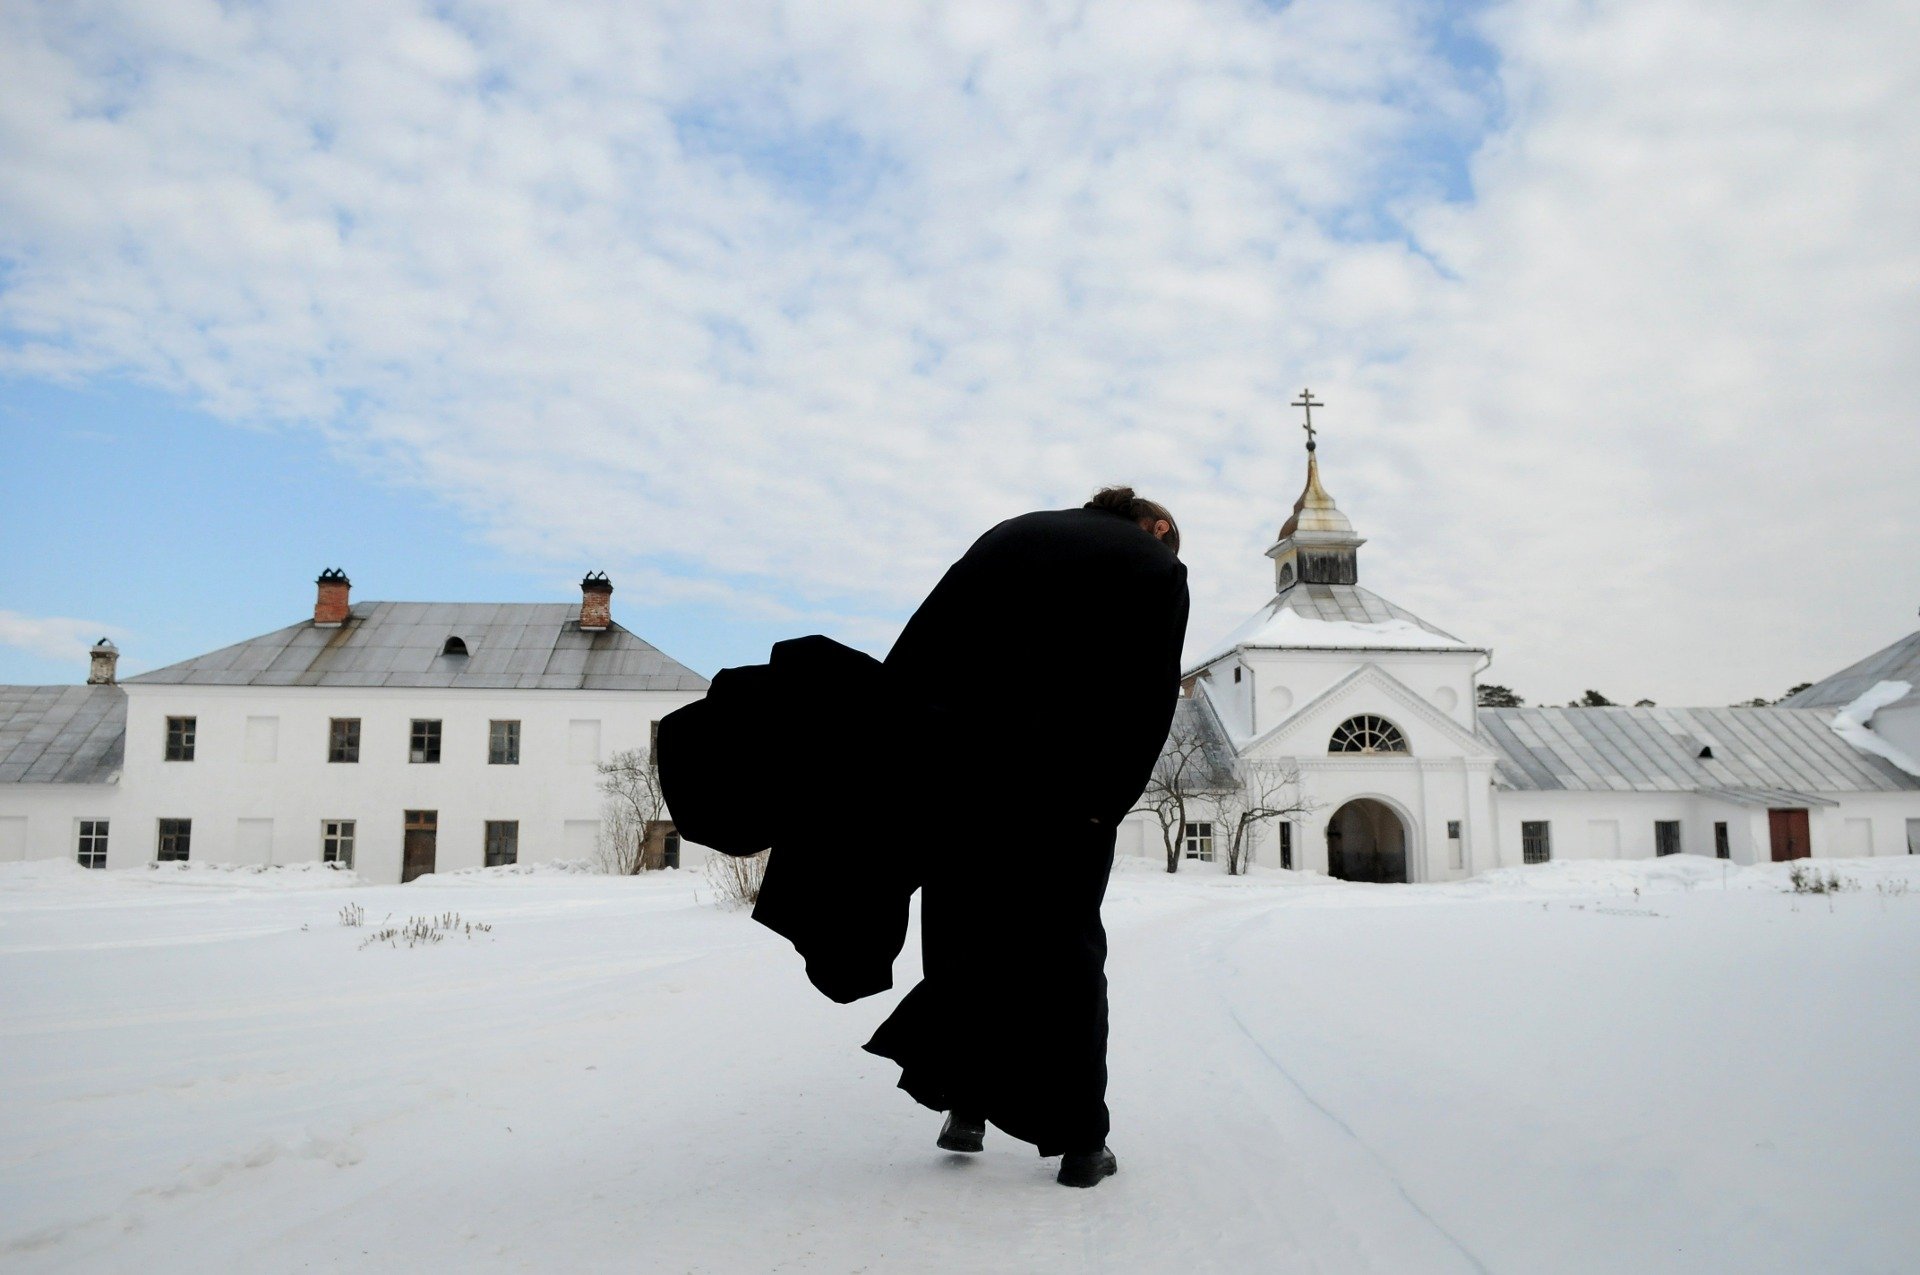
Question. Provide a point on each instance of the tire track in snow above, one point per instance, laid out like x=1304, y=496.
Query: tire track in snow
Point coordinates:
x=1219, y=950
x=1271, y=1213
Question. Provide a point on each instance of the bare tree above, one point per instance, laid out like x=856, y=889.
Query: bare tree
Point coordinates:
x=633, y=814
x=1267, y=791
x=1182, y=778
x=735, y=879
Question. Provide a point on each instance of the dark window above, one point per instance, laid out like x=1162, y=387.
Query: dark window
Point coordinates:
x=653, y=745
x=1367, y=734
x=1666, y=836
x=1453, y=829
x=503, y=744
x=424, y=744
x=503, y=842
x=1286, y=845
x=93, y=843
x=336, y=842
x=1720, y=847
x=180, y=733
x=1198, y=838
x=670, y=854
x=343, y=739
x=1535, y=846
x=1236, y=674
x=176, y=836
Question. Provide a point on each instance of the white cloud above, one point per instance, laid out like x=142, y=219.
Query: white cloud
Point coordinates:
x=793, y=300
x=55, y=637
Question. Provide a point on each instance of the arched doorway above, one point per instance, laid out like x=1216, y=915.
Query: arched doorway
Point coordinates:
x=1366, y=842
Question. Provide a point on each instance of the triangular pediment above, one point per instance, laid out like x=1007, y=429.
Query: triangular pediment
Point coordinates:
x=1368, y=689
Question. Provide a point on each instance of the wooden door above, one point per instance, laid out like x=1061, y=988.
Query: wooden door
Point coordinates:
x=423, y=831
x=1790, y=839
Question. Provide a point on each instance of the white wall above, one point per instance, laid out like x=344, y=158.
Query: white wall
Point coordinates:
x=1900, y=727
x=42, y=820
x=261, y=755
x=1862, y=823
x=1276, y=684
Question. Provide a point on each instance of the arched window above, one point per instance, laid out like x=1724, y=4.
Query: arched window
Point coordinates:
x=454, y=646
x=1367, y=734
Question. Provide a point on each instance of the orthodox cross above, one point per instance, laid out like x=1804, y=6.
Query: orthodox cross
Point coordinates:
x=1307, y=401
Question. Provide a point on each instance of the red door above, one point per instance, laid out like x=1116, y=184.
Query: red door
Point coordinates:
x=1789, y=829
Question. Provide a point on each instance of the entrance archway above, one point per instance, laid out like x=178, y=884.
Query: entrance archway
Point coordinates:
x=1366, y=842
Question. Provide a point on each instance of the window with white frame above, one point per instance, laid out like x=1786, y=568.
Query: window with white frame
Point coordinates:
x=1535, y=843
x=180, y=736
x=93, y=843
x=1367, y=734
x=175, y=841
x=336, y=842
x=503, y=743
x=1198, y=840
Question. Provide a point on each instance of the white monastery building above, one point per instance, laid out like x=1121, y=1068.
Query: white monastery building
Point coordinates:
x=395, y=738
x=400, y=738
x=1401, y=776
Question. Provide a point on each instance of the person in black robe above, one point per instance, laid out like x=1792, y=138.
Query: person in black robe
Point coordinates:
x=1012, y=726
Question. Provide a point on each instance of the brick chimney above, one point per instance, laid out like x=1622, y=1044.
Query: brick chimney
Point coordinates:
x=106, y=658
x=596, y=602
x=330, y=607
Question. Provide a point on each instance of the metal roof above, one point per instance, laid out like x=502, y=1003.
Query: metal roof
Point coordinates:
x=1754, y=750
x=1335, y=603
x=62, y=734
x=510, y=646
x=1192, y=714
x=1897, y=663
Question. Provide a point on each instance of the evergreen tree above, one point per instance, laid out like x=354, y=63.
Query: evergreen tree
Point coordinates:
x=1496, y=696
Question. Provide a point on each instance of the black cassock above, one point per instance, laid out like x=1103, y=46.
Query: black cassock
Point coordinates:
x=987, y=763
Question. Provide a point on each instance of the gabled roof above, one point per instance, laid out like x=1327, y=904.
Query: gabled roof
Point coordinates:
x=1657, y=750
x=1333, y=616
x=1897, y=663
x=1404, y=703
x=62, y=734
x=510, y=645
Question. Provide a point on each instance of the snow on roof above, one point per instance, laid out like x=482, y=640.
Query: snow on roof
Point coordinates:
x=1850, y=724
x=1334, y=616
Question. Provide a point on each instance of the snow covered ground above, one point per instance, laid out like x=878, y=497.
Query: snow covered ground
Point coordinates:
x=1640, y=1067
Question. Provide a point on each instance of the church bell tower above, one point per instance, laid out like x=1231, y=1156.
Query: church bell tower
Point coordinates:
x=1317, y=545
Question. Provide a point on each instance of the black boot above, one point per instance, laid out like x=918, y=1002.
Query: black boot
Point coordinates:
x=963, y=1133
x=1086, y=1168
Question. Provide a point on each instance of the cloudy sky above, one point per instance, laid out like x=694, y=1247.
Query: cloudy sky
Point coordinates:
x=767, y=309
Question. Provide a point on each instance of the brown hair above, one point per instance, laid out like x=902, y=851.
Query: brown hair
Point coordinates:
x=1122, y=501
